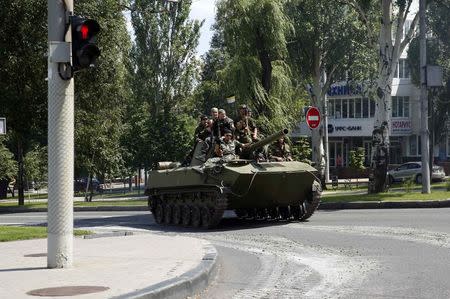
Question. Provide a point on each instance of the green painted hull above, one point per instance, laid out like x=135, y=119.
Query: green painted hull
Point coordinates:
x=247, y=184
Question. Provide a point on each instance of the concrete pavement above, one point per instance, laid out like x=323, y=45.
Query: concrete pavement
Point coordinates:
x=133, y=266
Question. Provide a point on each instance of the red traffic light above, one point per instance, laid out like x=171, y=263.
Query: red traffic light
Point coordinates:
x=84, y=31
x=84, y=39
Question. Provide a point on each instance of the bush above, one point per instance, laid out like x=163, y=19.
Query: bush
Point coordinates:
x=408, y=185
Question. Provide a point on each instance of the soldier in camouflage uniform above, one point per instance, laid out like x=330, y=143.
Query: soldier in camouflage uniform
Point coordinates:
x=226, y=149
x=202, y=131
x=280, y=151
x=246, y=130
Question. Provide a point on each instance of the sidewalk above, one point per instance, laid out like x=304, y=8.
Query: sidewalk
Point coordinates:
x=133, y=266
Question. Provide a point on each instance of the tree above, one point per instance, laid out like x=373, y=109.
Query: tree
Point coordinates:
x=35, y=166
x=255, y=69
x=102, y=94
x=23, y=48
x=164, y=70
x=8, y=169
x=327, y=40
x=385, y=24
x=438, y=53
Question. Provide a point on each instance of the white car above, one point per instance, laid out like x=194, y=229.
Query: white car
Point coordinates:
x=413, y=170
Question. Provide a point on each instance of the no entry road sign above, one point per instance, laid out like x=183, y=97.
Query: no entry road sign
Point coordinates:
x=313, y=117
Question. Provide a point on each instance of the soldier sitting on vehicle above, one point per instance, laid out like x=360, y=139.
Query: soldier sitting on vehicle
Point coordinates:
x=203, y=130
x=280, y=151
x=246, y=130
x=225, y=149
x=221, y=123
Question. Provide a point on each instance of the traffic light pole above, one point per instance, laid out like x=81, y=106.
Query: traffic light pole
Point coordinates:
x=60, y=144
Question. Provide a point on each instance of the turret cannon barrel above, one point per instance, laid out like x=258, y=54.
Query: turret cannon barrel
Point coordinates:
x=269, y=139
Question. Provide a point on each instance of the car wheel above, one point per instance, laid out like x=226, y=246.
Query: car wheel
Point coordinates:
x=419, y=179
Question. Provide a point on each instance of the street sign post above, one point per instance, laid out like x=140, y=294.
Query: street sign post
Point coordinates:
x=313, y=117
x=2, y=126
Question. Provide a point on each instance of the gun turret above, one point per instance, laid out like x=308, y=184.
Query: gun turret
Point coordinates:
x=267, y=140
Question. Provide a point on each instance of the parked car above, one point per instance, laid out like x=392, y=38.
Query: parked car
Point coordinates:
x=79, y=184
x=414, y=170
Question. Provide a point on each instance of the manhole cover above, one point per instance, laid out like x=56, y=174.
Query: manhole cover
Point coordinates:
x=35, y=255
x=67, y=291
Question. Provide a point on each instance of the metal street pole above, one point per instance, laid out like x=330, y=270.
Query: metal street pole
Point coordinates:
x=425, y=142
x=60, y=142
x=325, y=124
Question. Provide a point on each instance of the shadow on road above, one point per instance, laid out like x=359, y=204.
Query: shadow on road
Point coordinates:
x=147, y=222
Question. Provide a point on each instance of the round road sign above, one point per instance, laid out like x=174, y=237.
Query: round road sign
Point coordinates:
x=313, y=117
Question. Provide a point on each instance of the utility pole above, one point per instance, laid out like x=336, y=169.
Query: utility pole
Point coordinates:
x=60, y=138
x=325, y=132
x=425, y=142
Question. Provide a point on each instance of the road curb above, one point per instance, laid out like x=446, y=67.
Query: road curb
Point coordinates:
x=5, y=210
x=384, y=205
x=187, y=284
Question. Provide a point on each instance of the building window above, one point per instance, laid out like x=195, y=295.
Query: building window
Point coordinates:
x=372, y=108
x=358, y=108
x=402, y=70
x=351, y=108
x=400, y=106
x=414, y=145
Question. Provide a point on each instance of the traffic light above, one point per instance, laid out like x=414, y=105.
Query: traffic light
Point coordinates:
x=84, y=39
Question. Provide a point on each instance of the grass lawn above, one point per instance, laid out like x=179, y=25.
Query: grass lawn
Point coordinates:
x=387, y=196
x=14, y=233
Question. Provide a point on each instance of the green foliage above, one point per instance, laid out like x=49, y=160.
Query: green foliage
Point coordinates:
x=8, y=166
x=301, y=150
x=438, y=53
x=102, y=94
x=408, y=185
x=357, y=158
x=247, y=60
x=164, y=72
x=35, y=165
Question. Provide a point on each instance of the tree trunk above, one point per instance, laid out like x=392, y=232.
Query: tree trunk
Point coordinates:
x=3, y=188
x=266, y=65
x=389, y=54
x=21, y=172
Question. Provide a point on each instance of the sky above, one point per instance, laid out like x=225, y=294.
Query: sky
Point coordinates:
x=200, y=10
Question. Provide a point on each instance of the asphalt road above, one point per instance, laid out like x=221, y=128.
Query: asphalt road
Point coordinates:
x=337, y=254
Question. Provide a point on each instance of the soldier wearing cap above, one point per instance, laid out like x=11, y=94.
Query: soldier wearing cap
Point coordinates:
x=226, y=149
x=246, y=130
x=280, y=151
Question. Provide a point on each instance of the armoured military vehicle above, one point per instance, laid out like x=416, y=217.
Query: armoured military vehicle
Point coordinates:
x=197, y=195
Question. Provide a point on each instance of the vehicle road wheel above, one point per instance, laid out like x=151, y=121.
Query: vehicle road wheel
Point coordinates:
x=185, y=215
x=195, y=216
x=295, y=212
x=159, y=213
x=273, y=213
x=419, y=179
x=241, y=213
x=284, y=213
x=206, y=217
x=167, y=214
x=176, y=214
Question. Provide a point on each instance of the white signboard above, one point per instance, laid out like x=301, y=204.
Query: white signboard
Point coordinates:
x=2, y=125
x=362, y=127
x=401, y=127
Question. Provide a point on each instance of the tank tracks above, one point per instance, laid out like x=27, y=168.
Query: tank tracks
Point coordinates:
x=199, y=208
x=299, y=212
